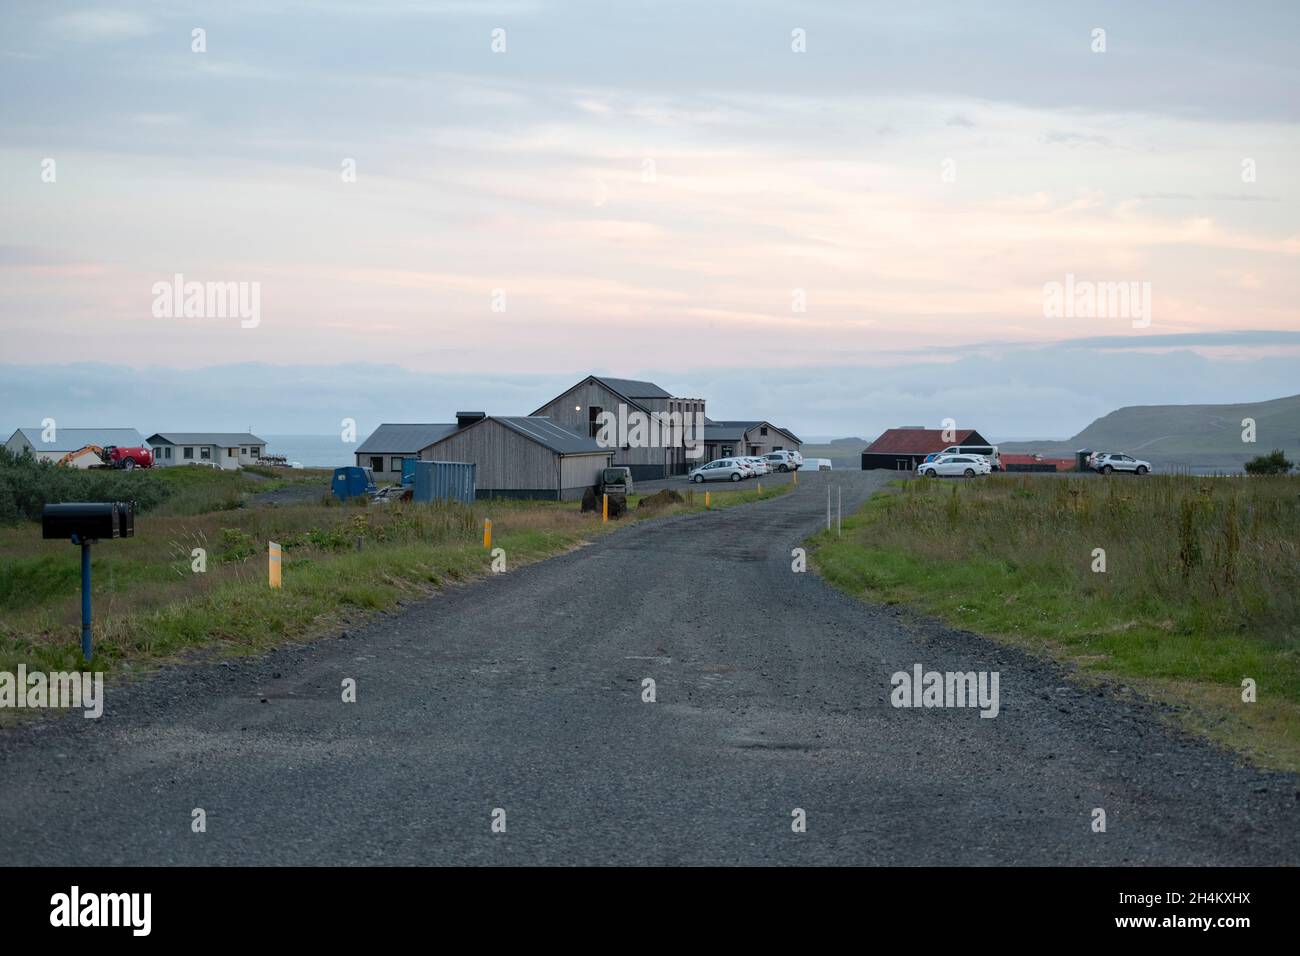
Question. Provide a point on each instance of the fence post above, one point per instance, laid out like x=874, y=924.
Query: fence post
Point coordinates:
x=273, y=556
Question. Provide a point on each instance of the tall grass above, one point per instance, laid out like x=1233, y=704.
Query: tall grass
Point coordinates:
x=1208, y=552
x=1189, y=582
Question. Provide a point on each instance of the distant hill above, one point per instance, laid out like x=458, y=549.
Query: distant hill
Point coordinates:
x=842, y=452
x=1190, y=436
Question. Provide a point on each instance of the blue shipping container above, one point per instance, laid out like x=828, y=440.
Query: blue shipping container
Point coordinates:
x=444, y=481
x=351, y=481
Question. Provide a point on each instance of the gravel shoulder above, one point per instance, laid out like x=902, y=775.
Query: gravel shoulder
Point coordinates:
x=524, y=692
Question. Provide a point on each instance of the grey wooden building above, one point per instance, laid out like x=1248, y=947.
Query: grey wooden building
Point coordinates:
x=388, y=444
x=753, y=438
x=578, y=410
x=523, y=456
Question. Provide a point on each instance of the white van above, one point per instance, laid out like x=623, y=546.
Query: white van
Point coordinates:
x=988, y=451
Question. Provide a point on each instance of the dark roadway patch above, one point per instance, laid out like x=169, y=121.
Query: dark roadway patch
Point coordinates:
x=523, y=692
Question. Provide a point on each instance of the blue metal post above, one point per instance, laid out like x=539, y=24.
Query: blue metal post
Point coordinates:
x=86, y=649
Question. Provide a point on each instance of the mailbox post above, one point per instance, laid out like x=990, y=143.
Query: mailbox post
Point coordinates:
x=83, y=523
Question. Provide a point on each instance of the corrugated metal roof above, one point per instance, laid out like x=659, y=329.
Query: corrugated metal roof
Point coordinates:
x=920, y=440
x=550, y=435
x=70, y=439
x=734, y=431
x=221, y=439
x=724, y=431
x=631, y=388
x=391, y=439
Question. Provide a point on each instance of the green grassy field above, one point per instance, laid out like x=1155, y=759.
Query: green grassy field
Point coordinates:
x=1201, y=586
x=151, y=605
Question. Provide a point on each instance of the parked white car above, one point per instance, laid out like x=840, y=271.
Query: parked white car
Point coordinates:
x=724, y=469
x=989, y=452
x=1107, y=462
x=784, y=460
x=967, y=466
x=761, y=466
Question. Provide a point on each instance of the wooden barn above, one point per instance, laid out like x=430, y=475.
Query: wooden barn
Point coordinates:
x=523, y=456
x=578, y=409
x=902, y=449
x=756, y=438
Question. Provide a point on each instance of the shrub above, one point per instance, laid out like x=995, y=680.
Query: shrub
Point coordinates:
x=26, y=485
x=1274, y=463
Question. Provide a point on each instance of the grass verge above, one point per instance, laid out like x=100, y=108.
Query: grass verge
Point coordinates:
x=1200, y=588
x=153, y=605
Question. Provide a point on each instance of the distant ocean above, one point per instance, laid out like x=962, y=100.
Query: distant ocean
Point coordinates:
x=314, y=451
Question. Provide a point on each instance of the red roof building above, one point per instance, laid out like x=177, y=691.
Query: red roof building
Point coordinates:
x=903, y=449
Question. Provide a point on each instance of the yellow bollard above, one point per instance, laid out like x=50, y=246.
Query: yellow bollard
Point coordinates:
x=604, y=508
x=795, y=479
x=760, y=487
x=273, y=555
x=706, y=501
x=487, y=532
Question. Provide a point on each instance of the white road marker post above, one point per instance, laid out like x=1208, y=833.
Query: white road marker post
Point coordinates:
x=839, y=511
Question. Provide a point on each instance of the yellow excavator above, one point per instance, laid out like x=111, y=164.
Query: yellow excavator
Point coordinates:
x=74, y=455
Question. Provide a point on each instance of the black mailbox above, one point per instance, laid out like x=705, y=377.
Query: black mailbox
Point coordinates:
x=85, y=520
x=126, y=519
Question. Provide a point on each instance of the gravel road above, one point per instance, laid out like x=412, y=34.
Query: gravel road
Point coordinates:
x=524, y=692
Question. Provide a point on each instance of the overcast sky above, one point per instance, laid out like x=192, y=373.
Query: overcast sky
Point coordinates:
x=845, y=238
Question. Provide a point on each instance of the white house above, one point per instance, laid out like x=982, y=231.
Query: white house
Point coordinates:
x=64, y=441
x=228, y=450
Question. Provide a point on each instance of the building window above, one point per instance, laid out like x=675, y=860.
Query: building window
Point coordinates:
x=593, y=423
x=726, y=451
x=205, y=453
x=763, y=431
x=189, y=452
x=243, y=451
x=396, y=465
x=230, y=453
x=376, y=463
x=167, y=452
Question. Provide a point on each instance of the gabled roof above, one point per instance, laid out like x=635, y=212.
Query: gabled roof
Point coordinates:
x=632, y=388
x=393, y=439
x=70, y=439
x=221, y=439
x=627, y=388
x=550, y=435
x=920, y=441
x=543, y=431
x=735, y=430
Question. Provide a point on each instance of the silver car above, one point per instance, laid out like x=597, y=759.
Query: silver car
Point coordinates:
x=723, y=469
x=1107, y=462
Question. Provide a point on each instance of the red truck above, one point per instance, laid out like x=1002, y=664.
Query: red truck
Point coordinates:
x=115, y=456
